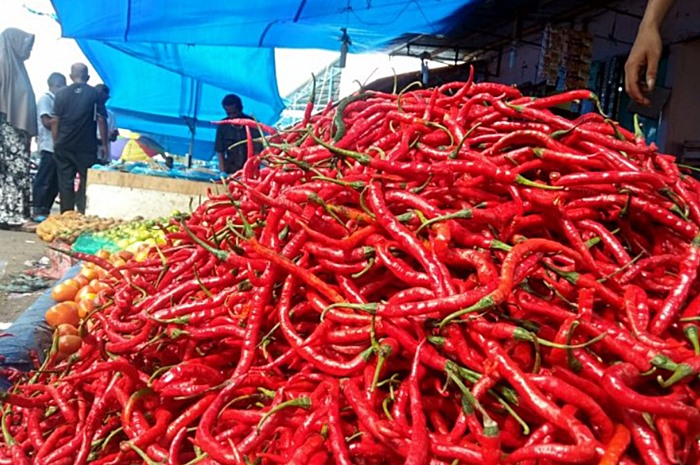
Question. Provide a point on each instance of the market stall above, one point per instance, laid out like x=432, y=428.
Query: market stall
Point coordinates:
x=468, y=273
x=358, y=300
x=115, y=194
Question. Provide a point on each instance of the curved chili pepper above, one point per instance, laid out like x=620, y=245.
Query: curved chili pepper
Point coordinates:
x=418, y=454
x=517, y=253
x=644, y=438
x=584, y=449
x=618, y=380
x=686, y=277
x=248, y=123
x=609, y=240
x=407, y=240
x=573, y=396
x=616, y=446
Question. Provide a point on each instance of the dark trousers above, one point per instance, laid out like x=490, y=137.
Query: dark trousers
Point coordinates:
x=68, y=164
x=45, y=187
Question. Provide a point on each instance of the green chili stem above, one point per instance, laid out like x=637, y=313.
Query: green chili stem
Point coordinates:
x=299, y=402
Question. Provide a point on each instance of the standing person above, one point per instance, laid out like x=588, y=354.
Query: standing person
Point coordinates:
x=643, y=61
x=78, y=110
x=103, y=156
x=45, y=187
x=17, y=127
x=232, y=157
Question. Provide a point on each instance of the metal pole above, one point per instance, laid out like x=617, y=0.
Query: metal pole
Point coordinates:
x=193, y=122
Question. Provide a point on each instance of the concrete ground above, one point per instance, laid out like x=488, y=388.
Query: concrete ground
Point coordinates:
x=15, y=249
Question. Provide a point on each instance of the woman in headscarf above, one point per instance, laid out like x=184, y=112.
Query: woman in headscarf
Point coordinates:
x=18, y=125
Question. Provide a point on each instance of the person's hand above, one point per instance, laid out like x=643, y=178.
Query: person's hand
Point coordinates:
x=643, y=61
x=113, y=135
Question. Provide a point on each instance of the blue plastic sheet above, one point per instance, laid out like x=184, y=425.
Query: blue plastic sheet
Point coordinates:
x=29, y=332
x=158, y=99
x=371, y=24
x=152, y=53
x=178, y=171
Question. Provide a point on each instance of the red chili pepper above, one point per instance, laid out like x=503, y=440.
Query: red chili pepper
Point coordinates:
x=686, y=278
x=667, y=438
x=249, y=123
x=573, y=396
x=563, y=98
x=407, y=240
x=228, y=455
x=644, y=438
x=67, y=411
x=584, y=449
x=618, y=380
x=616, y=446
x=616, y=248
x=616, y=177
x=513, y=258
x=418, y=454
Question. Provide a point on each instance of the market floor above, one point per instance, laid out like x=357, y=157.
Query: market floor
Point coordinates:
x=16, y=248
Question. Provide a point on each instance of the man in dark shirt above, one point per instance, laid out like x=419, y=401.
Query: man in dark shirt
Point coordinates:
x=231, y=155
x=78, y=109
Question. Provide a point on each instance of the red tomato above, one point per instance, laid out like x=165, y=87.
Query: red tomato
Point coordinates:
x=96, y=286
x=85, y=306
x=81, y=280
x=65, y=291
x=103, y=254
x=66, y=329
x=68, y=344
x=83, y=292
x=63, y=312
x=123, y=254
x=89, y=273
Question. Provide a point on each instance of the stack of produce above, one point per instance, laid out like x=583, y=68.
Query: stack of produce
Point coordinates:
x=75, y=299
x=449, y=275
x=135, y=234
x=68, y=226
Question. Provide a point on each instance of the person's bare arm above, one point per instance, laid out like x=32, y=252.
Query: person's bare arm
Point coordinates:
x=221, y=161
x=46, y=122
x=54, y=127
x=646, y=51
x=102, y=124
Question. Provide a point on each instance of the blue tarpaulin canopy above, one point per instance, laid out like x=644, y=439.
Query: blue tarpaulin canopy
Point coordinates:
x=164, y=59
x=153, y=92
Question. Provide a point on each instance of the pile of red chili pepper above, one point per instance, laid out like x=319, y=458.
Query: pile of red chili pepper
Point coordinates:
x=453, y=275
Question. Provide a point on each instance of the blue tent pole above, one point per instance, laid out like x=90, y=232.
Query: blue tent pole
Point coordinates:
x=193, y=121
